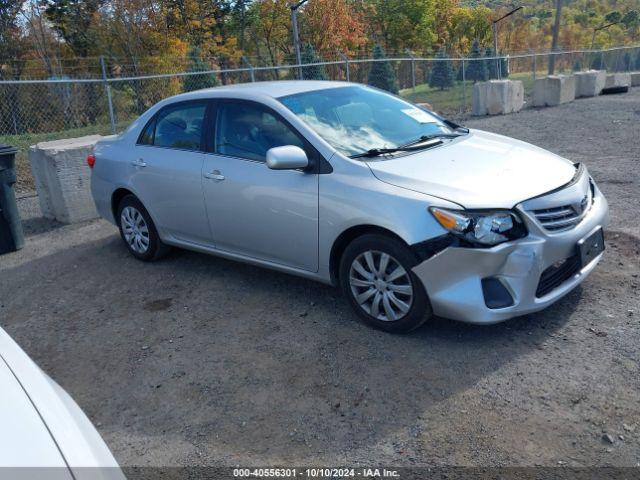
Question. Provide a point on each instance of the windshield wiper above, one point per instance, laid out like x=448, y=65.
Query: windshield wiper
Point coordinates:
x=417, y=144
x=375, y=152
x=426, y=138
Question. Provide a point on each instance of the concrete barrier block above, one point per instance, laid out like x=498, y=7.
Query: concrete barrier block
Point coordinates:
x=635, y=79
x=554, y=90
x=63, y=178
x=426, y=106
x=497, y=97
x=617, y=80
x=590, y=83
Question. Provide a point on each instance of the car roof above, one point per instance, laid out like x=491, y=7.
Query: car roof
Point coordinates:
x=273, y=89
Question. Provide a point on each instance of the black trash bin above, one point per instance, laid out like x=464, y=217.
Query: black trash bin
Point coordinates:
x=11, y=235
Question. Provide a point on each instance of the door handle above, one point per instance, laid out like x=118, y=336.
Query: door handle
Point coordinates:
x=215, y=175
x=139, y=163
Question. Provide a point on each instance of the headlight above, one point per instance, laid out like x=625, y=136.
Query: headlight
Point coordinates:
x=484, y=228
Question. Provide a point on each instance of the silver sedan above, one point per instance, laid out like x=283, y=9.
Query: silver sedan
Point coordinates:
x=409, y=213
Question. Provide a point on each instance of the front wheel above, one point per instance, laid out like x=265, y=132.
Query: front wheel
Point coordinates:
x=376, y=276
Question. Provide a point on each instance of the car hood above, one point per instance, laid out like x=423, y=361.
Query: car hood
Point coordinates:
x=478, y=170
x=25, y=440
x=43, y=427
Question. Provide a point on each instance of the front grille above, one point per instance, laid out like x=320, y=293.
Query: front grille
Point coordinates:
x=558, y=218
x=564, y=217
x=557, y=274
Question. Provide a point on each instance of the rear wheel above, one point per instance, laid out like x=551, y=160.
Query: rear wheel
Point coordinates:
x=138, y=230
x=376, y=276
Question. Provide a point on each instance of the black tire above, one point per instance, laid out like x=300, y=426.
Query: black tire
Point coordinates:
x=156, y=249
x=420, y=308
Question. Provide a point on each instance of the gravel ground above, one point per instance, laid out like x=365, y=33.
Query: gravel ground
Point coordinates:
x=196, y=360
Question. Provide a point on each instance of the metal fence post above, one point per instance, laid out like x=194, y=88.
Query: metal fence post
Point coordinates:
x=464, y=87
x=107, y=87
x=346, y=64
x=535, y=67
x=251, y=72
x=413, y=75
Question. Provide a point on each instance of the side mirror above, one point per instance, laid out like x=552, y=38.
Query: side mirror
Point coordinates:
x=288, y=157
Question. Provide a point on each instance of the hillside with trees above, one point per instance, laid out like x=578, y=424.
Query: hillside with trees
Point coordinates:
x=54, y=38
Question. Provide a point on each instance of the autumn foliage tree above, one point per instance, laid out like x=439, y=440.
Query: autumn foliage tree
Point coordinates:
x=399, y=24
x=42, y=39
x=333, y=25
x=270, y=30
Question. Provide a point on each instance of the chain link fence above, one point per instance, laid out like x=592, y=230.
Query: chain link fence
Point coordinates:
x=32, y=111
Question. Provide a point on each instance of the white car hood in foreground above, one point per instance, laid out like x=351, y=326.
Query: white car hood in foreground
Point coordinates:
x=43, y=427
x=25, y=440
x=479, y=170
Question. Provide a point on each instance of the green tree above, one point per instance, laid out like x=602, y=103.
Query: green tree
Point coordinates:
x=477, y=70
x=613, y=17
x=631, y=19
x=442, y=72
x=492, y=68
x=197, y=64
x=74, y=21
x=627, y=62
x=504, y=67
x=459, y=76
x=12, y=45
x=382, y=74
x=313, y=72
x=401, y=24
x=13, y=48
x=597, y=61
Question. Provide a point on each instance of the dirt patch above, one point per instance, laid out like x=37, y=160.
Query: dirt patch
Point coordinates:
x=626, y=244
x=158, y=305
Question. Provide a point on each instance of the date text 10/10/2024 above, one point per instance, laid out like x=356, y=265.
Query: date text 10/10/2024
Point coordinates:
x=315, y=473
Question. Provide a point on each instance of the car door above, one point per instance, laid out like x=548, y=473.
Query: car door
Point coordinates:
x=270, y=215
x=167, y=171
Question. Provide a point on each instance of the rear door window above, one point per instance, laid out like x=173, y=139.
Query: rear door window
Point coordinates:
x=180, y=126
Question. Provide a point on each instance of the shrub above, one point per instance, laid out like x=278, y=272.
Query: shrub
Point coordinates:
x=313, y=72
x=382, y=74
x=492, y=70
x=597, y=62
x=477, y=70
x=442, y=72
x=196, y=64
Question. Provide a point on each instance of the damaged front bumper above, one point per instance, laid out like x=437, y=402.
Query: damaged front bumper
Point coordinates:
x=453, y=278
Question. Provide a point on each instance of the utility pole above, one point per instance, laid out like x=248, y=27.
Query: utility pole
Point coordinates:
x=556, y=34
x=495, y=50
x=495, y=39
x=296, y=36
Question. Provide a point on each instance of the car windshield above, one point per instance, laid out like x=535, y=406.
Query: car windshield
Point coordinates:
x=357, y=119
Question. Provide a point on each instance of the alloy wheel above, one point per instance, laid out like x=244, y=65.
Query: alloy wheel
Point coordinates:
x=381, y=286
x=135, y=229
